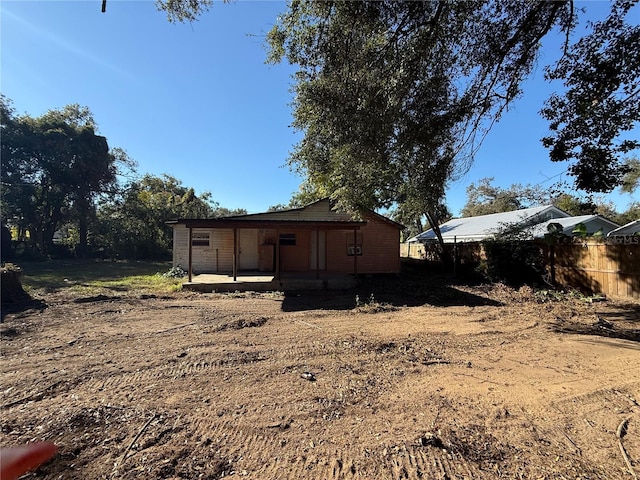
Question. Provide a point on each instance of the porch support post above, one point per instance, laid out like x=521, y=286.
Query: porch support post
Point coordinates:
x=190, y=256
x=235, y=254
x=317, y=252
x=355, y=251
x=277, y=276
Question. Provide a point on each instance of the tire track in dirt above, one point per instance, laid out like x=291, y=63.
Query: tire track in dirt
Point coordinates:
x=317, y=462
x=128, y=380
x=616, y=398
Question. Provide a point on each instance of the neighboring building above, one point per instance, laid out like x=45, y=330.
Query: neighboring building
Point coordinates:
x=315, y=238
x=594, y=224
x=629, y=233
x=532, y=221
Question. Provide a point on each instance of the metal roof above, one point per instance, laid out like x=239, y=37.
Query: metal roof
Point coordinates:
x=631, y=228
x=473, y=229
x=592, y=222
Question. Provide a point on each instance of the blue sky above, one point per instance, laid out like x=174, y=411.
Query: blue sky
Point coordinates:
x=198, y=102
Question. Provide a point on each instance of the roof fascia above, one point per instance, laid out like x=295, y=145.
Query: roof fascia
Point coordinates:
x=237, y=223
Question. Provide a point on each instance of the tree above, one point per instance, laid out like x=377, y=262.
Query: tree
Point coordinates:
x=184, y=10
x=53, y=167
x=484, y=198
x=394, y=98
x=601, y=73
x=629, y=215
x=584, y=205
x=631, y=179
x=134, y=225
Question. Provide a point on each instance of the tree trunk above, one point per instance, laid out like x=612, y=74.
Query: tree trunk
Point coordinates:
x=12, y=291
x=433, y=223
x=83, y=222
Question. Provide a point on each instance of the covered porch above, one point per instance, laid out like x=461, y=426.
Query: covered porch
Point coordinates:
x=253, y=251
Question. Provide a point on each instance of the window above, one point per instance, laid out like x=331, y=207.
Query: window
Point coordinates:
x=287, y=239
x=354, y=244
x=200, y=239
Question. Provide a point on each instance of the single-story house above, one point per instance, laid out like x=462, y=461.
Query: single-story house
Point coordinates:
x=631, y=228
x=534, y=221
x=628, y=233
x=315, y=238
x=593, y=224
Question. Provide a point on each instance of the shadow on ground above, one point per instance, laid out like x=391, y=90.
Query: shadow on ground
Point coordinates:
x=20, y=305
x=624, y=323
x=413, y=287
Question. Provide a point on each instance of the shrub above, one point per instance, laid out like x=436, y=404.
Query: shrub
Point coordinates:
x=513, y=261
x=176, y=272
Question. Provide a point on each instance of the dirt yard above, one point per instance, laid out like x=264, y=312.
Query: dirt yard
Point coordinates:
x=455, y=382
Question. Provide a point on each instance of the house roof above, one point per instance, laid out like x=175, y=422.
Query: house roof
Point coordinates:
x=631, y=228
x=318, y=214
x=593, y=223
x=472, y=229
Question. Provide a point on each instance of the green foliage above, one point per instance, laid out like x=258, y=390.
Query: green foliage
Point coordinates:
x=176, y=272
x=601, y=73
x=549, y=295
x=554, y=233
x=484, y=198
x=631, y=179
x=632, y=213
x=580, y=230
x=512, y=260
x=134, y=225
x=183, y=10
x=54, y=168
x=60, y=177
x=390, y=107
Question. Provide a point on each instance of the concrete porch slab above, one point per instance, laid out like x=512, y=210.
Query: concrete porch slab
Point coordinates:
x=259, y=282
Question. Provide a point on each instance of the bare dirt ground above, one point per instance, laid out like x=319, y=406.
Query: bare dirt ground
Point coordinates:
x=454, y=382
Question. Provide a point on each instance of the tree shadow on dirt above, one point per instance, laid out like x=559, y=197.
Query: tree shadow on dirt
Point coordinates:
x=24, y=303
x=623, y=324
x=413, y=287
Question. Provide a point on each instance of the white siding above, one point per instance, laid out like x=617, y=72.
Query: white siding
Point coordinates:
x=217, y=257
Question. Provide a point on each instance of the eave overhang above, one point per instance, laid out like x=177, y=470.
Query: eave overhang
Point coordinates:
x=236, y=223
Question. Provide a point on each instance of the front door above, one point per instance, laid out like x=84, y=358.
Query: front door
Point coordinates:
x=248, y=249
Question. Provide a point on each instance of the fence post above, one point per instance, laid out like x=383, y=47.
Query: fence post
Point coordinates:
x=552, y=264
x=455, y=255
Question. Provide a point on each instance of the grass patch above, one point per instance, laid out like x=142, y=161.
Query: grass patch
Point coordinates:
x=93, y=276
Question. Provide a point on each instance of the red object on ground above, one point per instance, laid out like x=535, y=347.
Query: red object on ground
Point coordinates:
x=16, y=461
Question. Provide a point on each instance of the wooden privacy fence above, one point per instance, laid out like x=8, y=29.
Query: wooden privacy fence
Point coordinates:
x=612, y=269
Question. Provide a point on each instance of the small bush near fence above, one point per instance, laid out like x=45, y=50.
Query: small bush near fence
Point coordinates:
x=512, y=262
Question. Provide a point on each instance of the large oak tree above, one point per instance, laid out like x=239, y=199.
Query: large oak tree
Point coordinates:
x=394, y=98
x=53, y=168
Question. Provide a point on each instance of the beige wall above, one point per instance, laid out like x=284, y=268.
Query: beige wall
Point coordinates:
x=217, y=257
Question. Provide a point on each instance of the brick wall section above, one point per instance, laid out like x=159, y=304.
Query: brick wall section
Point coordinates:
x=380, y=248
